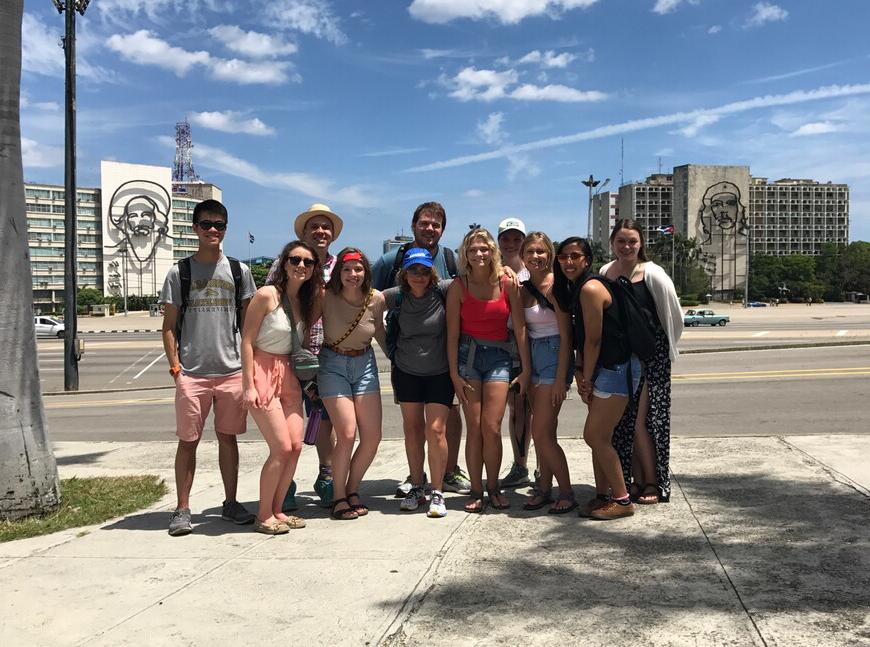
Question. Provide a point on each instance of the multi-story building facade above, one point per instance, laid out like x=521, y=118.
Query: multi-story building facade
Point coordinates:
x=605, y=211
x=649, y=202
x=797, y=216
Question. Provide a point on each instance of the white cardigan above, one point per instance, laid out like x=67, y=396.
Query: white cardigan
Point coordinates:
x=667, y=304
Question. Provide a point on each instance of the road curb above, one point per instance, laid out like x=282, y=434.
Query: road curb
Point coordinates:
x=103, y=332
x=821, y=344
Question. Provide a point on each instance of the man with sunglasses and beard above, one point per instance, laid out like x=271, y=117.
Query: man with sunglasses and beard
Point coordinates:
x=201, y=324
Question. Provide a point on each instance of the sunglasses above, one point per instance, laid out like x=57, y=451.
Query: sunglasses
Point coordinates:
x=205, y=225
x=573, y=256
x=419, y=270
x=301, y=260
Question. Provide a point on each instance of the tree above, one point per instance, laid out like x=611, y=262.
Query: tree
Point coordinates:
x=28, y=472
x=260, y=271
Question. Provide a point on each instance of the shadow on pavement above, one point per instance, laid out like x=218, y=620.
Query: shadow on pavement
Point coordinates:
x=80, y=459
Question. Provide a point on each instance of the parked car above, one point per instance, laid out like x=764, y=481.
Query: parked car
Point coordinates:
x=706, y=317
x=48, y=327
x=757, y=304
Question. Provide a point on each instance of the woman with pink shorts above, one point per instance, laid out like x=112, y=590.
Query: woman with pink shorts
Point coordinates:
x=271, y=390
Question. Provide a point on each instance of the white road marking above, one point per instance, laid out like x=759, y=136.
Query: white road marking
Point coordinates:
x=129, y=367
x=842, y=333
x=156, y=359
x=761, y=333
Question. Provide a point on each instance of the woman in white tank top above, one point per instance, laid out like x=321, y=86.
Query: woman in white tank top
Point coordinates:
x=549, y=331
x=271, y=391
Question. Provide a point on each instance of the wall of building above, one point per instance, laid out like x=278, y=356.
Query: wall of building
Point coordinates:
x=605, y=211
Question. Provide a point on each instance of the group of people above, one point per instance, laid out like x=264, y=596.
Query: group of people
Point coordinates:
x=506, y=323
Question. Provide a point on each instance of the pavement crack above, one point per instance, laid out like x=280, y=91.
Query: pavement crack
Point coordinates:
x=832, y=473
x=719, y=560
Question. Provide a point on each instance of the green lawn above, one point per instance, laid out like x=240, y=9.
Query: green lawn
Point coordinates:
x=87, y=501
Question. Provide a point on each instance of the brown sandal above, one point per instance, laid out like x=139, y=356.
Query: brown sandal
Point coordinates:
x=359, y=508
x=649, y=499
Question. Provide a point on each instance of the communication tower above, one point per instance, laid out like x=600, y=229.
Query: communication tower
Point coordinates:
x=182, y=169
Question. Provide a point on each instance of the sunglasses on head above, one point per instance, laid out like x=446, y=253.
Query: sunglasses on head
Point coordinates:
x=301, y=260
x=573, y=256
x=205, y=225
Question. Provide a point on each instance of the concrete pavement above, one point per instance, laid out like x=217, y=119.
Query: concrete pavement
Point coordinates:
x=765, y=542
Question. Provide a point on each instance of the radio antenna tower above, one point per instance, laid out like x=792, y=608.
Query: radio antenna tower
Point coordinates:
x=182, y=169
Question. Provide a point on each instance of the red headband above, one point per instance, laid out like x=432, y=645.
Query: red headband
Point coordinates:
x=351, y=256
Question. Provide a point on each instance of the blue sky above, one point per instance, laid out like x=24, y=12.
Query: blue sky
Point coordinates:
x=495, y=108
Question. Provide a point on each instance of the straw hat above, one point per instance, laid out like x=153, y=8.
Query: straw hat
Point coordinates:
x=317, y=209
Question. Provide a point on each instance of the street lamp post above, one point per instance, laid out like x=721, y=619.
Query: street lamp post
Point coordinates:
x=70, y=345
x=591, y=183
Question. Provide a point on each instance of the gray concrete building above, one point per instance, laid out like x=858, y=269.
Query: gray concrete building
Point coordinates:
x=605, y=211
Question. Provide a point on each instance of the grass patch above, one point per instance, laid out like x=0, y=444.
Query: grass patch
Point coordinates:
x=88, y=501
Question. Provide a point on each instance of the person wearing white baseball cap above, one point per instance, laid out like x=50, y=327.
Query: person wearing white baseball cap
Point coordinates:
x=511, y=233
x=317, y=226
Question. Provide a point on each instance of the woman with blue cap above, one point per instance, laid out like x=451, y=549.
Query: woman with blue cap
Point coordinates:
x=417, y=346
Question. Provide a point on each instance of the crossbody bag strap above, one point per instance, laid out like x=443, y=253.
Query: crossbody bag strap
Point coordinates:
x=288, y=310
x=356, y=321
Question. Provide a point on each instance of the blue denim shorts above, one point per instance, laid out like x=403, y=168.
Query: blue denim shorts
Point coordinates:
x=491, y=364
x=614, y=380
x=343, y=376
x=545, y=360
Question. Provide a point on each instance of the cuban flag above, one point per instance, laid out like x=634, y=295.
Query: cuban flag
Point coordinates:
x=251, y=238
x=667, y=230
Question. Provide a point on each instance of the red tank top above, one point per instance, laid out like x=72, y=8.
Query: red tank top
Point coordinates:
x=484, y=319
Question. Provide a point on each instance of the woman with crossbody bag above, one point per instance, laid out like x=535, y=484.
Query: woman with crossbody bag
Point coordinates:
x=277, y=315
x=353, y=314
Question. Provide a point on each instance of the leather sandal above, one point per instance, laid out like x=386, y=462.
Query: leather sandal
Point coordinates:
x=360, y=509
x=565, y=509
x=476, y=503
x=543, y=499
x=293, y=522
x=494, y=502
x=344, y=514
x=649, y=498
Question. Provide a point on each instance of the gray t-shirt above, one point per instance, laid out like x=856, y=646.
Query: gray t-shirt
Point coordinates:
x=422, y=345
x=208, y=347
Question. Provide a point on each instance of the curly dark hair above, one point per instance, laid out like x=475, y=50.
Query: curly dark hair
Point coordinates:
x=564, y=289
x=334, y=283
x=308, y=291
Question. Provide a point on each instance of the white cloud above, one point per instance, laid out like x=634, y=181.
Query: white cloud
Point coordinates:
x=35, y=155
x=473, y=193
x=490, y=131
x=251, y=43
x=794, y=73
x=144, y=48
x=307, y=16
x=816, y=128
x=392, y=151
x=562, y=93
x=41, y=52
x=230, y=122
x=736, y=107
x=666, y=6
x=547, y=59
x=508, y=12
x=765, y=12
x=714, y=29
x=488, y=85
x=697, y=124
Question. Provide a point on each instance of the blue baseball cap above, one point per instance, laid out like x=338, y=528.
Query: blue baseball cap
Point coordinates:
x=417, y=256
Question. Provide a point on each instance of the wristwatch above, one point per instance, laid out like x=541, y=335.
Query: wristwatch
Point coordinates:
x=174, y=371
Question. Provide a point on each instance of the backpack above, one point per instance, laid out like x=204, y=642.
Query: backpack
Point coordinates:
x=392, y=321
x=184, y=276
x=535, y=292
x=449, y=261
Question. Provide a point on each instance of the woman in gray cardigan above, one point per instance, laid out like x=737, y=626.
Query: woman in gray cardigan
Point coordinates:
x=643, y=436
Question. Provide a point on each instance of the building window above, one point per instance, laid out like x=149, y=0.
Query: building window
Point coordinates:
x=38, y=208
x=37, y=193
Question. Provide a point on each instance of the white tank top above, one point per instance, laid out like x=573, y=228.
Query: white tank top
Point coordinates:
x=541, y=322
x=274, y=335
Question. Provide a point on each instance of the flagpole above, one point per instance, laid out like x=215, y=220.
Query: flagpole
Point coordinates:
x=250, y=255
x=673, y=235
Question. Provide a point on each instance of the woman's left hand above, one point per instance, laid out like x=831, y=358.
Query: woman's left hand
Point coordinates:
x=558, y=394
x=522, y=380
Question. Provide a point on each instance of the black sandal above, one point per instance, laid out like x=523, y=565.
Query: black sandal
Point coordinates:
x=494, y=503
x=345, y=514
x=359, y=508
x=473, y=499
x=544, y=498
x=564, y=497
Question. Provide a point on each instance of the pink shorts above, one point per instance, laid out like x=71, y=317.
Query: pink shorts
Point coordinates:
x=275, y=382
x=193, y=399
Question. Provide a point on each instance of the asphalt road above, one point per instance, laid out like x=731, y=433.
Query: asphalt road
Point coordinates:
x=758, y=392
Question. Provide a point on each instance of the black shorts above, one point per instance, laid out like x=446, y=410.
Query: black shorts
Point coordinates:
x=428, y=389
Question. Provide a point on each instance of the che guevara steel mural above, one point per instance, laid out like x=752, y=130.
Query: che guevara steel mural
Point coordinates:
x=723, y=231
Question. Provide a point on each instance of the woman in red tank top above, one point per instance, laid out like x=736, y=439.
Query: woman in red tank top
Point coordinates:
x=479, y=352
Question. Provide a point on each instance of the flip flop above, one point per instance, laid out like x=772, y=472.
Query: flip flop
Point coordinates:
x=494, y=503
x=474, y=498
x=565, y=510
x=544, y=499
x=651, y=498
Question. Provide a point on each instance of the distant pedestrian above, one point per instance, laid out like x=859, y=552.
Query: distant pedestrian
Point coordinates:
x=279, y=318
x=643, y=436
x=205, y=297
x=479, y=354
x=353, y=315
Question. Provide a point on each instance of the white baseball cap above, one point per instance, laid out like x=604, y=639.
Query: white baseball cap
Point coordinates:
x=511, y=223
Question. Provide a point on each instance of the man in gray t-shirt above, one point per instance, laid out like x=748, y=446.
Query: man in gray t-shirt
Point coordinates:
x=205, y=363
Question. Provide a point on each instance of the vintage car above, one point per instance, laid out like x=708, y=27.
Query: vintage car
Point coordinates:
x=706, y=317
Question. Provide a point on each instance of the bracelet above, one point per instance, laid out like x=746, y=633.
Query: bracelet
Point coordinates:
x=174, y=371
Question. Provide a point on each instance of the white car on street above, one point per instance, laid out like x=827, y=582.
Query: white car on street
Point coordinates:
x=48, y=327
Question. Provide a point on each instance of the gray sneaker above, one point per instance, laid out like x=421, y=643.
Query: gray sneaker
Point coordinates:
x=457, y=481
x=404, y=488
x=179, y=522
x=236, y=512
x=516, y=477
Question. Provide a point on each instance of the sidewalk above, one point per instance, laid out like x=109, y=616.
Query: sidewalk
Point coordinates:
x=765, y=542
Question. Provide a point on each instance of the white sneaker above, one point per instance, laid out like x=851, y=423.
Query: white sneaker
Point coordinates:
x=416, y=497
x=437, y=508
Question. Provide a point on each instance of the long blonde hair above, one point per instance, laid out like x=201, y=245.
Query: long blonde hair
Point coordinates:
x=541, y=237
x=495, y=256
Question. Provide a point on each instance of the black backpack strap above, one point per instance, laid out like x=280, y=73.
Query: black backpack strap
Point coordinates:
x=539, y=297
x=236, y=269
x=184, y=277
x=450, y=262
x=397, y=264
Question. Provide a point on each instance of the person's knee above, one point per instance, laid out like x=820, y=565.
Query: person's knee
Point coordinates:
x=227, y=440
x=187, y=447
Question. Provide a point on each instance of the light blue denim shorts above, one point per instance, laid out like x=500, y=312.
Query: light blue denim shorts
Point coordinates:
x=545, y=360
x=491, y=363
x=614, y=380
x=343, y=376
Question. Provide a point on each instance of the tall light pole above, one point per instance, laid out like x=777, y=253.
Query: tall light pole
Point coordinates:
x=591, y=183
x=70, y=284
